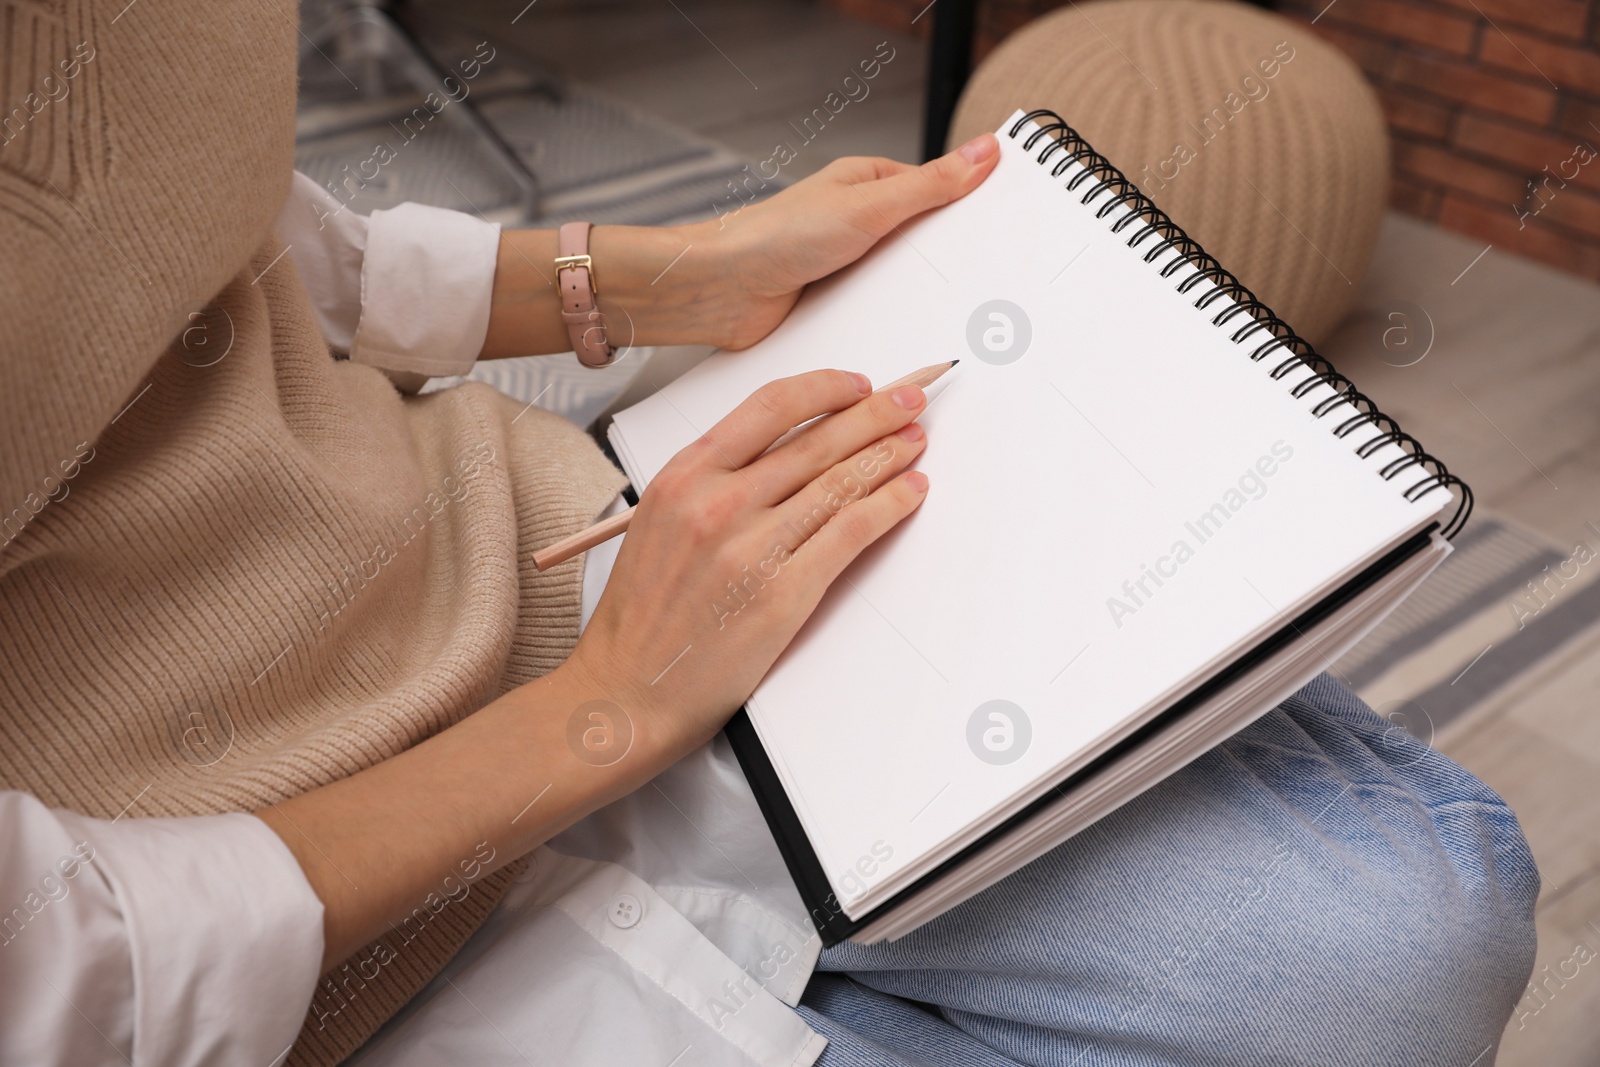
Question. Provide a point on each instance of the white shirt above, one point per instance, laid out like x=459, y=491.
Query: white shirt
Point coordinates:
x=662, y=929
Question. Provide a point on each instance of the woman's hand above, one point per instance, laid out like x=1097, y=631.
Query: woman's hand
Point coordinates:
x=768, y=252
x=732, y=547
x=729, y=552
x=729, y=281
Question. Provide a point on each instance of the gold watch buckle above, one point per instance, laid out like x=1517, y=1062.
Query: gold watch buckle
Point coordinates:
x=572, y=262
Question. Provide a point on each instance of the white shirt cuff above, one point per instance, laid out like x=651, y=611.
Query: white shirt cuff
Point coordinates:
x=326, y=240
x=426, y=282
x=226, y=935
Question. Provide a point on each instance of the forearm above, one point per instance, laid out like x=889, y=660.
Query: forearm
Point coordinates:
x=375, y=844
x=727, y=282
x=657, y=285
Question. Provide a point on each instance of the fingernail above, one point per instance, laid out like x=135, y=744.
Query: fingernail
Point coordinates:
x=979, y=148
x=908, y=397
x=917, y=480
x=863, y=383
x=909, y=432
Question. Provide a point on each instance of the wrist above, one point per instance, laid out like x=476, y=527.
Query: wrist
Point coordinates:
x=663, y=285
x=607, y=721
x=669, y=719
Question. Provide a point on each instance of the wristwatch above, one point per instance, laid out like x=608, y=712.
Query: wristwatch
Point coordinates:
x=576, y=281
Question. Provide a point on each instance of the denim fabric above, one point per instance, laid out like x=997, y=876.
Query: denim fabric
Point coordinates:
x=1321, y=889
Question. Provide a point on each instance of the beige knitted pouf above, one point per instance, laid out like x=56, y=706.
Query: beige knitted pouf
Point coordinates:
x=1260, y=140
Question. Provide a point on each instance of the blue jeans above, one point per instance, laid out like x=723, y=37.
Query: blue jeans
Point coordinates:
x=1321, y=889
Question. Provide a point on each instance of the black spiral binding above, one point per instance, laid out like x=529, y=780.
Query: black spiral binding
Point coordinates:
x=1063, y=137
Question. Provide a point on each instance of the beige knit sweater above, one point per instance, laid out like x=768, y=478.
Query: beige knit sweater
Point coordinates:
x=232, y=568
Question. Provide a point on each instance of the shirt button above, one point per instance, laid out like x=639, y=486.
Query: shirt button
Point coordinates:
x=626, y=911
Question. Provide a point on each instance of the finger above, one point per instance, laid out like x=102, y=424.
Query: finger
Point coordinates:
x=775, y=409
x=857, y=169
x=838, y=543
x=781, y=473
x=847, y=484
x=937, y=182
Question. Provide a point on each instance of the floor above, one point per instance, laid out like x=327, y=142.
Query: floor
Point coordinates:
x=1507, y=389
x=1509, y=393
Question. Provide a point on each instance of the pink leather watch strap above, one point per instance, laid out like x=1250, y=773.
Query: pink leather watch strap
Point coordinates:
x=576, y=281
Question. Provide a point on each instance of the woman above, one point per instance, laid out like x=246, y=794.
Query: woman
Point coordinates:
x=287, y=703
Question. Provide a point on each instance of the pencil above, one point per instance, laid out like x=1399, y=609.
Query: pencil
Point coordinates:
x=606, y=529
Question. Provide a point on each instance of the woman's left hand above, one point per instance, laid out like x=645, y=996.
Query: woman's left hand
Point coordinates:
x=763, y=255
x=729, y=281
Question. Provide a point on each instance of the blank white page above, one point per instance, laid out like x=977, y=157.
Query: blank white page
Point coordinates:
x=1054, y=479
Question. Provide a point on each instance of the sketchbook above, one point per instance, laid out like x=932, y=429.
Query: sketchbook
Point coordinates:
x=1154, y=513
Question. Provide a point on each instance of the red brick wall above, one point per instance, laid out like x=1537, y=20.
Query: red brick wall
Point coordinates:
x=1493, y=106
x=1494, y=109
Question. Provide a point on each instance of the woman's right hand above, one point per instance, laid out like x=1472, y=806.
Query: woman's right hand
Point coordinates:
x=732, y=547
x=670, y=645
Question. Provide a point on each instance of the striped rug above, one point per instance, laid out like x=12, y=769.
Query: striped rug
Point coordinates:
x=1497, y=609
